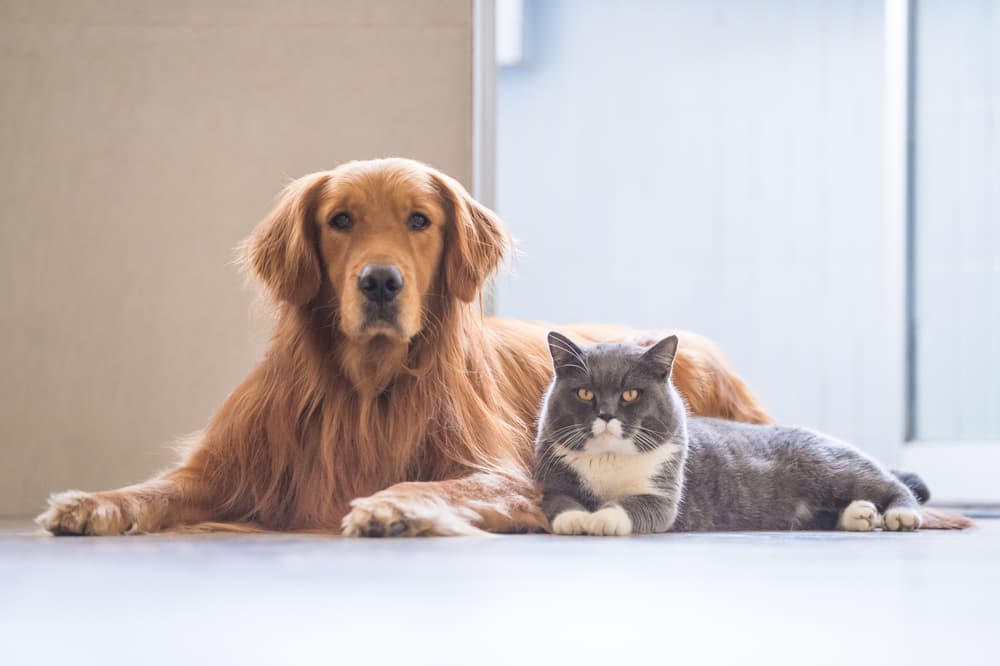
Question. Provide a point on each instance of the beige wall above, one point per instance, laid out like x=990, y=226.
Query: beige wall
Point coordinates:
x=139, y=143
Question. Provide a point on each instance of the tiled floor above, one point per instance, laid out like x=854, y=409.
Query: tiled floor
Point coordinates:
x=805, y=598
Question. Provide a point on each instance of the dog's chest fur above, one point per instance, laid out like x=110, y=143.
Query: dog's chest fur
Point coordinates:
x=610, y=476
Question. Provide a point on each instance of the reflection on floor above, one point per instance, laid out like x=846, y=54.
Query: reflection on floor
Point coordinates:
x=804, y=598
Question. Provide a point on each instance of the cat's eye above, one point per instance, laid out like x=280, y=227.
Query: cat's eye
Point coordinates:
x=630, y=395
x=585, y=394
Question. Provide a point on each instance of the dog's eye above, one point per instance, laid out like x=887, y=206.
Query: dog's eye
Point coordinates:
x=630, y=395
x=585, y=394
x=418, y=222
x=341, y=222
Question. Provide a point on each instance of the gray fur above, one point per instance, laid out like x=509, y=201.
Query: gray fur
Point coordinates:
x=725, y=475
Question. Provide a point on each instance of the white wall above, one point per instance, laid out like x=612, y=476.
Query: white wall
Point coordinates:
x=716, y=166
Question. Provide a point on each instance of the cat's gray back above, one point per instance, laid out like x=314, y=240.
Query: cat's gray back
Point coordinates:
x=747, y=476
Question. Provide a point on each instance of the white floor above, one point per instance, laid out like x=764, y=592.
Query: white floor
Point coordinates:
x=802, y=598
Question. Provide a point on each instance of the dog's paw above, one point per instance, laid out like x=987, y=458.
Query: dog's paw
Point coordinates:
x=571, y=522
x=76, y=512
x=610, y=521
x=859, y=516
x=901, y=519
x=402, y=513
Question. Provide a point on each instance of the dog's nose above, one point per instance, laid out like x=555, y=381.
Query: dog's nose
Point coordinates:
x=380, y=283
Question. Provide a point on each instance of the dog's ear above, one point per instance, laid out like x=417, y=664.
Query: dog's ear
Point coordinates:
x=475, y=243
x=281, y=251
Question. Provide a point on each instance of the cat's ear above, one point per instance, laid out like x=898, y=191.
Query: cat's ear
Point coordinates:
x=565, y=354
x=660, y=356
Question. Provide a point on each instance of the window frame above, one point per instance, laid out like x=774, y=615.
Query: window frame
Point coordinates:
x=959, y=472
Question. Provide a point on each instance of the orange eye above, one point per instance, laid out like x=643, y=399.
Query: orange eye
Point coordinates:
x=630, y=395
x=585, y=394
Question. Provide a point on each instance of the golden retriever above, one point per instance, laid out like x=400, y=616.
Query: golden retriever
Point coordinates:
x=386, y=405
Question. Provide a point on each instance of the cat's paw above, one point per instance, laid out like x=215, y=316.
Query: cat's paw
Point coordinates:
x=609, y=521
x=901, y=519
x=571, y=522
x=859, y=516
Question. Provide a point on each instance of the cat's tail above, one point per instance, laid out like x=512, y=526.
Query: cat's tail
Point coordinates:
x=932, y=518
x=915, y=484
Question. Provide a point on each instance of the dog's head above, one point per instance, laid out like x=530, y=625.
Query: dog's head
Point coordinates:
x=378, y=240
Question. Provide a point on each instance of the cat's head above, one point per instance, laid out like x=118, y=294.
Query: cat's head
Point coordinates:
x=612, y=398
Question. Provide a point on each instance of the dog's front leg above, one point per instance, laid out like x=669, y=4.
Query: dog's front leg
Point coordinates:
x=478, y=503
x=154, y=505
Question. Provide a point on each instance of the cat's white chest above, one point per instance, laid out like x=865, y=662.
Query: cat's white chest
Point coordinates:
x=610, y=476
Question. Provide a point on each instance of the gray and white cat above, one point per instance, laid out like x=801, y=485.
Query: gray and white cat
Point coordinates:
x=617, y=454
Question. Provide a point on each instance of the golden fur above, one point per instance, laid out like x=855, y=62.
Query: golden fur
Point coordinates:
x=421, y=426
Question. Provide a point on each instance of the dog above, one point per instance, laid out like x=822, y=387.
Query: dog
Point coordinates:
x=386, y=403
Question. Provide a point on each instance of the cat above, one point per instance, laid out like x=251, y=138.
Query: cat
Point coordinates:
x=617, y=454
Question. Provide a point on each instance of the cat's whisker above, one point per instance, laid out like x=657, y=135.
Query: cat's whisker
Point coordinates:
x=547, y=460
x=640, y=440
x=645, y=441
x=556, y=451
x=570, y=439
x=564, y=429
x=654, y=433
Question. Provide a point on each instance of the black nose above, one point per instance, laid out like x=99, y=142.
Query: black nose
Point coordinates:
x=606, y=417
x=380, y=283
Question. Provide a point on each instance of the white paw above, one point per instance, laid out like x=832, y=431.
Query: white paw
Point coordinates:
x=859, y=516
x=76, y=512
x=571, y=522
x=610, y=521
x=902, y=519
x=400, y=513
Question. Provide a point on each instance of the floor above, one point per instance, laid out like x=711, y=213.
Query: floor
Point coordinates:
x=803, y=598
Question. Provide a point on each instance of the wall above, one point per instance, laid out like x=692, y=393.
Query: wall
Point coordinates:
x=716, y=166
x=957, y=213
x=141, y=142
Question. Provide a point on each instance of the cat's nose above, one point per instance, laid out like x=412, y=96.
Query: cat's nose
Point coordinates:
x=607, y=417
